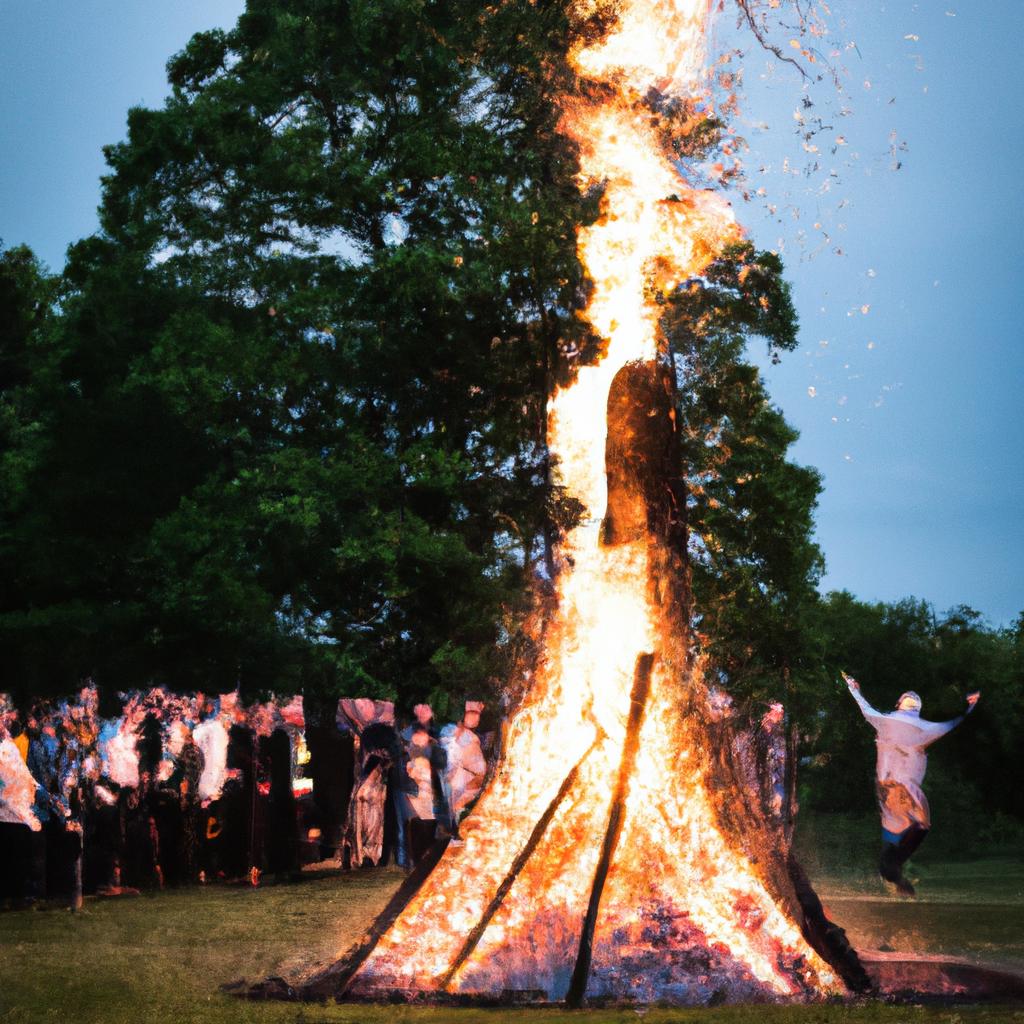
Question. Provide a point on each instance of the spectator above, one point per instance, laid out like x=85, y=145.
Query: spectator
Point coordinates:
x=424, y=805
x=20, y=797
x=466, y=765
x=211, y=737
x=239, y=796
x=372, y=832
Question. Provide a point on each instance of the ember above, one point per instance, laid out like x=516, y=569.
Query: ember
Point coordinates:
x=617, y=852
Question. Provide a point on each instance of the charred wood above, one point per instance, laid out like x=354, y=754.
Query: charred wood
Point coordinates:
x=517, y=866
x=336, y=978
x=637, y=704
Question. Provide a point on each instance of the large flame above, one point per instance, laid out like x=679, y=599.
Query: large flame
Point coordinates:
x=676, y=886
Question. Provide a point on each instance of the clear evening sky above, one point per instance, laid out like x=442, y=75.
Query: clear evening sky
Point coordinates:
x=911, y=409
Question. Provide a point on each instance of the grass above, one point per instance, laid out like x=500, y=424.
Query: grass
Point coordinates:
x=161, y=958
x=964, y=908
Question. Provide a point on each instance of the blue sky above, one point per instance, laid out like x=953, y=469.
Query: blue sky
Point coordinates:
x=923, y=466
x=919, y=437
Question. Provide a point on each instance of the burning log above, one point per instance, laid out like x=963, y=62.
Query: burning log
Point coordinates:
x=503, y=890
x=336, y=978
x=637, y=704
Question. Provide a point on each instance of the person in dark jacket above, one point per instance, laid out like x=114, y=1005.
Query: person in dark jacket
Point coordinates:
x=142, y=838
x=239, y=798
x=281, y=840
x=330, y=767
x=372, y=833
x=424, y=805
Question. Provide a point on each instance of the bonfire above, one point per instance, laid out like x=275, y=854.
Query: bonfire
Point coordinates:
x=619, y=851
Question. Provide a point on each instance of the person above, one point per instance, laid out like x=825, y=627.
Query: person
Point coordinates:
x=121, y=779
x=211, y=737
x=423, y=718
x=423, y=804
x=281, y=847
x=185, y=778
x=466, y=764
x=902, y=737
x=44, y=763
x=142, y=836
x=372, y=831
x=330, y=768
x=22, y=799
x=238, y=799
x=80, y=769
x=174, y=832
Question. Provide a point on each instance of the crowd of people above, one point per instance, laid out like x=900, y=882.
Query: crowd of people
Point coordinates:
x=177, y=789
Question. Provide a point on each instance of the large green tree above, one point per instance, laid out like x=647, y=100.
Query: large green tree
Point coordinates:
x=754, y=563
x=294, y=401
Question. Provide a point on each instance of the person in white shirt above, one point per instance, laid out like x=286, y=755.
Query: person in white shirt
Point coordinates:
x=902, y=737
x=466, y=765
x=211, y=738
x=21, y=798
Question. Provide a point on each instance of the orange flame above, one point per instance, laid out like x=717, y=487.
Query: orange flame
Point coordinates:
x=675, y=886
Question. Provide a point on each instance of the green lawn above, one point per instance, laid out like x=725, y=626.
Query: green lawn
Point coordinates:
x=162, y=958
x=964, y=908
x=973, y=910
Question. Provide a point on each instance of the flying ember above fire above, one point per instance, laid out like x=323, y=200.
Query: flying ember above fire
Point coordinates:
x=615, y=853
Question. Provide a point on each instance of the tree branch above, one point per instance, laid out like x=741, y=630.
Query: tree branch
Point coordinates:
x=748, y=14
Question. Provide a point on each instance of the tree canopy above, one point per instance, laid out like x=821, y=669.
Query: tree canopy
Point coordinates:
x=287, y=428
x=285, y=424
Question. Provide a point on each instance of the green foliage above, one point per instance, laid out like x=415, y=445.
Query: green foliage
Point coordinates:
x=750, y=510
x=27, y=296
x=290, y=429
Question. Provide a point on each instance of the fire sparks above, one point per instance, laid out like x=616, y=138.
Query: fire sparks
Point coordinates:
x=683, y=914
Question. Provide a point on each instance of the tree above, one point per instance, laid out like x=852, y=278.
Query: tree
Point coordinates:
x=27, y=297
x=749, y=510
x=296, y=392
x=755, y=566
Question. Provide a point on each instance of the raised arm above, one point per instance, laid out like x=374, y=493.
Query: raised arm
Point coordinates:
x=936, y=730
x=866, y=709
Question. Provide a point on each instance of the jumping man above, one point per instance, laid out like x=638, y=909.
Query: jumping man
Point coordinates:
x=902, y=736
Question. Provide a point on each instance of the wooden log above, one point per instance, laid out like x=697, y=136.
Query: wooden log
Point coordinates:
x=827, y=938
x=637, y=705
x=336, y=978
x=474, y=937
x=641, y=454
